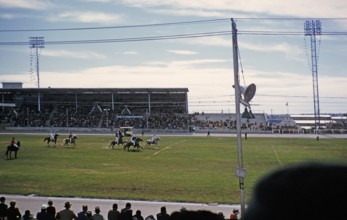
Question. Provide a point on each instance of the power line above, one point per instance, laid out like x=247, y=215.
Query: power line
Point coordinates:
x=165, y=37
x=123, y=40
x=164, y=24
x=116, y=27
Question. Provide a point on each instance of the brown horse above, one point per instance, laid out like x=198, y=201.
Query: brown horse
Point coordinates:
x=71, y=140
x=49, y=139
x=120, y=141
x=12, y=148
x=137, y=144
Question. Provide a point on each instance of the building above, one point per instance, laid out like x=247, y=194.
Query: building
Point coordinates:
x=150, y=108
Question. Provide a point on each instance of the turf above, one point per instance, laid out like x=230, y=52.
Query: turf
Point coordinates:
x=188, y=168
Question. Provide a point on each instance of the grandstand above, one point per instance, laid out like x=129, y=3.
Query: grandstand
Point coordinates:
x=227, y=122
x=146, y=108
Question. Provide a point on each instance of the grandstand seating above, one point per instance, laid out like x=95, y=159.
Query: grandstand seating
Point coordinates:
x=147, y=109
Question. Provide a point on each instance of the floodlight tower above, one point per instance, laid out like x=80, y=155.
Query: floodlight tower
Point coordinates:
x=36, y=44
x=313, y=28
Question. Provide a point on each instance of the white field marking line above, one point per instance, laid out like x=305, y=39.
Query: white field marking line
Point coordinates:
x=278, y=159
x=165, y=149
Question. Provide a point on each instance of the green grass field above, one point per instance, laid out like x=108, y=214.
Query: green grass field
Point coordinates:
x=188, y=168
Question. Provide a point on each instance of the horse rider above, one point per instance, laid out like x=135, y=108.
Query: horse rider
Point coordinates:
x=133, y=140
x=70, y=137
x=14, y=143
x=52, y=136
x=117, y=136
x=153, y=138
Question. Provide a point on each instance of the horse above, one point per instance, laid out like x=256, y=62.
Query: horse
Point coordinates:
x=12, y=148
x=49, y=139
x=71, y=140
x=154, y=140
x=128, y=144
x=120, y=141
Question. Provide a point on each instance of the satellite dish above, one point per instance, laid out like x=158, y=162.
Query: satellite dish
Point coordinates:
x=249, y=92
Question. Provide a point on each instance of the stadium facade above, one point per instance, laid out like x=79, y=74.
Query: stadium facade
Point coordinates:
x=144, y=109
x=98, y=108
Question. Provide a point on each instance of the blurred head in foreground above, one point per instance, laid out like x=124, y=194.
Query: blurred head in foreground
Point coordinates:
x=306, y=191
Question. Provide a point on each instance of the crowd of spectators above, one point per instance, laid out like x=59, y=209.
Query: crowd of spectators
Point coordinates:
x=138, y=118
x=49, y=212
x=62, y=116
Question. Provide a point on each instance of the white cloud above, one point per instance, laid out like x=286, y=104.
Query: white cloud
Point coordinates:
x=288, y=49
x=182, y=52
x=73, y=54
x=32, y=4
x=190, y=12
x=298, y=8
x=87, y=17
x=212, y=41
x=130, y=53
x=7, y=16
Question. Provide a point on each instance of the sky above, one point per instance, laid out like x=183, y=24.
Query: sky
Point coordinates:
x=181, y=44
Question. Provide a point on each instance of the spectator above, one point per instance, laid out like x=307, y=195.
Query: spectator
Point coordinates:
x=66, y=214
x=126, y=213
x=138, y=215
x=113, y=214
x=89, y=215
x=13, y=212
x=195, y=215
x=301, y=192
x=27, y=215
x=97, y=215
x=163, y=214
x=3, y=208
x=234, y=215
x=51, y=209
x=43, y=214
x=83, y=214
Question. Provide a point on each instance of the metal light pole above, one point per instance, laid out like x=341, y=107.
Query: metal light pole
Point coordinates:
x=37, y=43
x=313, y=28
x=240, y=171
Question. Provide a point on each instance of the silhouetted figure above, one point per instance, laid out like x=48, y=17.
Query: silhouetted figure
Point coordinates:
x=51, y=209
x=126, y=213
x=138, y=215
x=13, y=212
x=82, y=215
x=195, y=215
x=163, y=214
x=307, y=191
x=43, y=214
x=113, y=214
x=66, y=214
x=3, y=208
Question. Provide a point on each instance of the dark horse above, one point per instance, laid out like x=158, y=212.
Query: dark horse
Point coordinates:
x=49, y=139
x=71, y=140
x=11, y=148
x=120, y=141
x=137, y=145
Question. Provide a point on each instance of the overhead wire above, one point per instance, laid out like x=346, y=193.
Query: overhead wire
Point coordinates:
x=169, y=37
x=163, y=37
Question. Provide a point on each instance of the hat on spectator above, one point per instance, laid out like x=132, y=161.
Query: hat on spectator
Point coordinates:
x=67, y=205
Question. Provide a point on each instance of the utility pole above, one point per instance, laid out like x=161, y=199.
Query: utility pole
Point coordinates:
x=240, y=171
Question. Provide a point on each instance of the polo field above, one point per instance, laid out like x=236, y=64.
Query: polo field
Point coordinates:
x=180, y=168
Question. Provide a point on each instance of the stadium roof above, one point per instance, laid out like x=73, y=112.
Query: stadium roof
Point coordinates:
x=98, y=90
